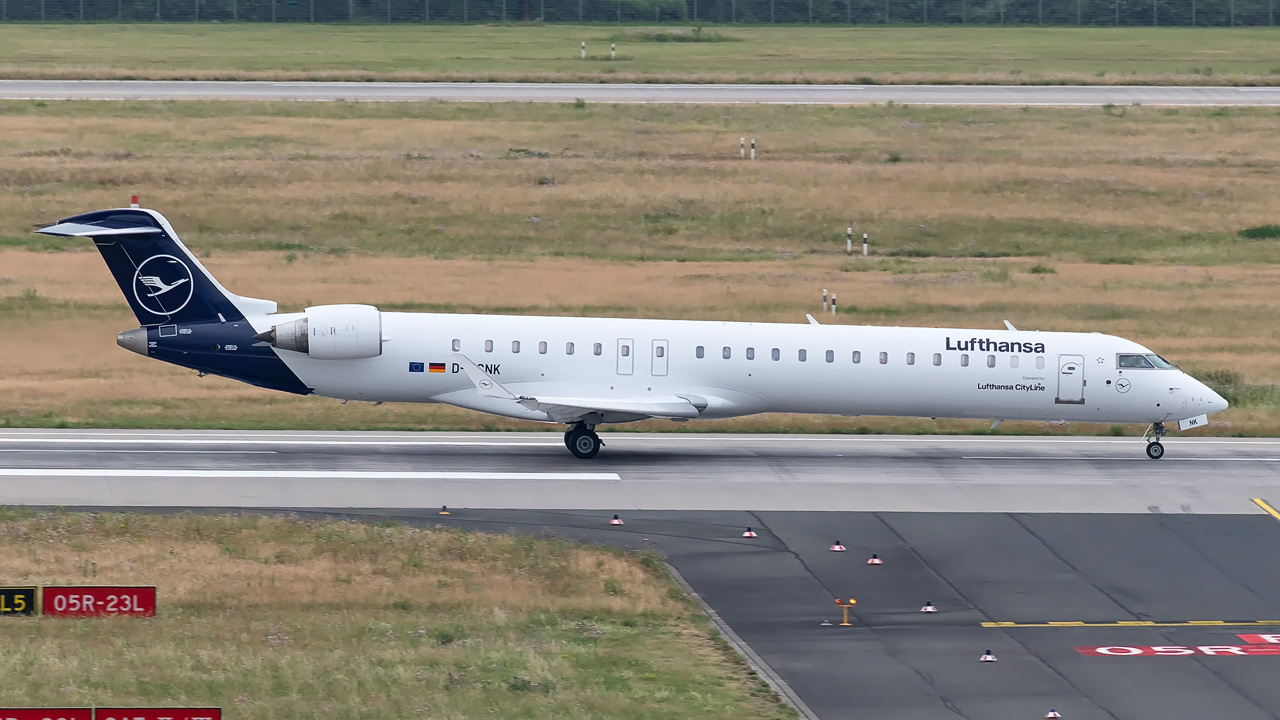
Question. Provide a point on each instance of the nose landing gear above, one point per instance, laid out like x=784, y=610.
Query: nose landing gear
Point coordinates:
x=582, y=441
x=1155, y=450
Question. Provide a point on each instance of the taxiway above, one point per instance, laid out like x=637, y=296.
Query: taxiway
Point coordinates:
x=1016, y=95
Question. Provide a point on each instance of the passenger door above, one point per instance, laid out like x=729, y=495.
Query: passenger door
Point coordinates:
x=1070, y=380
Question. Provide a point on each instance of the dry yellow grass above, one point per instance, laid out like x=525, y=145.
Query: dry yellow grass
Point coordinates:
x=272, y=618
x=60, y=363
x=660, y=183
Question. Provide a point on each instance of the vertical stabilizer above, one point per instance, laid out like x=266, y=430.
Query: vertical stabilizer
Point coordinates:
x=162, y=282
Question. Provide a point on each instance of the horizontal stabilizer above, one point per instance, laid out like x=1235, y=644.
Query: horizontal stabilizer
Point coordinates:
x=70, y=229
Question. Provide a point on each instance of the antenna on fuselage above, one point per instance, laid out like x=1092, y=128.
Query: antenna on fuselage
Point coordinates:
x=1010, y=326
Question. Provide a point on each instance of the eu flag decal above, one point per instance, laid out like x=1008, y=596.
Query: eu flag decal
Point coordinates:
x=417, y=367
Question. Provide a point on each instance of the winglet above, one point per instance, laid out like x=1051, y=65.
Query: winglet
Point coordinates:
x=812, y=321
x=1010, y=326
x=484, y=382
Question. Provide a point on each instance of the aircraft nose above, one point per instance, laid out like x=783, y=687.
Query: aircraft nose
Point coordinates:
x=1216, y=402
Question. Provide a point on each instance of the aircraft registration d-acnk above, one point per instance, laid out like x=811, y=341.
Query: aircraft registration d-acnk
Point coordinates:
x=586, y=372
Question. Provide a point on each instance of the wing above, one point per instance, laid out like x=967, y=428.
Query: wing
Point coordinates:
x=571, y=409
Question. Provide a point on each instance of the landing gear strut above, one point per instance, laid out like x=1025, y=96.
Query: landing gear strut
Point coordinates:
x=582, y=441
x=1155, y=450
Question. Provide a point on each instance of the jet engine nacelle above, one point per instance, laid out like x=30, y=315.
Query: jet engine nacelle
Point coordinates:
x=331, y=332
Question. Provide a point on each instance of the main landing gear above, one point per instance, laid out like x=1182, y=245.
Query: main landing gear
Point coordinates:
x=1155, y=450
x=582, y=441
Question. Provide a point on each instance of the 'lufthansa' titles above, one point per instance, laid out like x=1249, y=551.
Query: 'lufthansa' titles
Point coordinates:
x=989, y=345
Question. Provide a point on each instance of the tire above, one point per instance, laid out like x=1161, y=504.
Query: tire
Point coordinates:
x=1155, y=450
x=584, y=444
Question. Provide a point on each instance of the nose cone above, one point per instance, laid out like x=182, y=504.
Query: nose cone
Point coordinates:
x=134, y=340
x=1216, y=402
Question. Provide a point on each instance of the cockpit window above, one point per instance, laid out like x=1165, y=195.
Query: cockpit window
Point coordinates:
x=1133, y=361
x=1160, y=362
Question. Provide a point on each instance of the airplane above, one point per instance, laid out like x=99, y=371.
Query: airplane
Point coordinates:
x=587, y=372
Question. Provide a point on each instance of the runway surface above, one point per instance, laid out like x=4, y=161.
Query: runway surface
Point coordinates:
x=1074, y=560
x=635, y=471
x=640, y=93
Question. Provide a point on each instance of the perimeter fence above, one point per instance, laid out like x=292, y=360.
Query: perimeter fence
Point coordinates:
x=1216, y=13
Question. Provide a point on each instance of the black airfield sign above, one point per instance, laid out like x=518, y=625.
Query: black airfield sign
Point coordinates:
x=17, y=601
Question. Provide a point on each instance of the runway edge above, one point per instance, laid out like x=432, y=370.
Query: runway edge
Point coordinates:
x=756, y=662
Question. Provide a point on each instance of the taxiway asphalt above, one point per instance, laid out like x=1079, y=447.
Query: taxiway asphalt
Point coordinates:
x=1030, y=547
x=1016, y=95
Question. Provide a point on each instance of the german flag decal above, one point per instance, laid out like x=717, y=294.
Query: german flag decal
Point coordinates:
x=437, y=367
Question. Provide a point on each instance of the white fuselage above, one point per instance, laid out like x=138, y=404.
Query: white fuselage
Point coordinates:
x=746, y=368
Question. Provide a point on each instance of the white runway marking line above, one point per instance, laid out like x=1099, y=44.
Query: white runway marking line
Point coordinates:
x=96, y=451
x=171, y=440
x=298, y=474
x=1084, y=457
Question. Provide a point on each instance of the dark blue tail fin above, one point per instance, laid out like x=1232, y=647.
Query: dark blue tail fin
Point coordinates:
x=160, y=279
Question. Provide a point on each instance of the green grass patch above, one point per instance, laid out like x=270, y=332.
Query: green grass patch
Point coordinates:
x=1261, y=232
x=866, y=54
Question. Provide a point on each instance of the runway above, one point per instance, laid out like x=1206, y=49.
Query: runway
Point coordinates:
x=1056, y=95
x=634, y=471
x=1063, y=556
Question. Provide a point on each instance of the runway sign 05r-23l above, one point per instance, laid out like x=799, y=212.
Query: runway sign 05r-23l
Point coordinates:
x=98, y=601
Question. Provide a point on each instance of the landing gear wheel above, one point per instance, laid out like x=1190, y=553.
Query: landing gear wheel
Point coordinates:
x=583, y=443
x=1155, y=450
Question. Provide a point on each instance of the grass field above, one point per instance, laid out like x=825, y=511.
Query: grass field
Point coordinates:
x=860, y=54
x=1121, y=220
x=282, y=618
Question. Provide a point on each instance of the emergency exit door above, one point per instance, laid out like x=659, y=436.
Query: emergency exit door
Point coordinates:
x=626, y=356
x=660, y=352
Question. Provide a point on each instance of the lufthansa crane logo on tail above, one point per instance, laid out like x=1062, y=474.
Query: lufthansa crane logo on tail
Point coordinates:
x=162, y=284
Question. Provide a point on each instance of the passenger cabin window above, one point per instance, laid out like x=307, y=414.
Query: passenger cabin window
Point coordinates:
x=726, y=352
x=660, y=351
x=568, y=348
x=911, y=358
x=751, y=353
x=515, y=346
x=488, y=346
x=991, y=361
x=964, y=360
x=597, y=349
x=457, y=344
x=700, y=352
x=626, y=350
x=1039, y=362
x=857, y=356
x=937, y=359
x=884, y=358
x=1013, y=361
x=776, y=354
x=804, y=355
x=831, y=356
x=1133, y=361
x=542, y=348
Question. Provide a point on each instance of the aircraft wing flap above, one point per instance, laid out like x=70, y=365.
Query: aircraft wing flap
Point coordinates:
x=570, y=409
x=658, y=407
